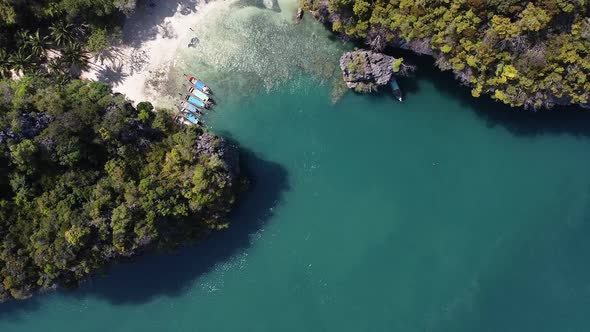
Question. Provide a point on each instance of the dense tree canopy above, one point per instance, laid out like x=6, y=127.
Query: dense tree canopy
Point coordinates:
x=86, y=178
x=523, y=53
x=53, y=37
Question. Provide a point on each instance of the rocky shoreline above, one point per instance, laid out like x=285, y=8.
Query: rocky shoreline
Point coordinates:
x=378, y=39
x=365, y=70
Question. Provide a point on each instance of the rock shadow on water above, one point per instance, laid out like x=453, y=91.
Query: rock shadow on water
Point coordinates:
x=570, y=120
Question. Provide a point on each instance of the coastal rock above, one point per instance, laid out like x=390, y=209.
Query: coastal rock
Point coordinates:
x=211, y=146
x=299, y=15
x=365, y=70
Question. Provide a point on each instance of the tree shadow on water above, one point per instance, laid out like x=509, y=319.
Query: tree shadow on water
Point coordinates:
x=12, y=310
x=171, y=275
x=571, y=120
x=145, y=278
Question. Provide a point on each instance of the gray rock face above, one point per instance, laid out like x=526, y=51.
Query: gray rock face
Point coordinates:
x=365, y=70
x=224, y=150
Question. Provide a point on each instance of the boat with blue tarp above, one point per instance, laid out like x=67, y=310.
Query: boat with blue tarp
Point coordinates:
x=193, y=100
x=200, y=94
x=192, y=108
x=191, y=118
x=189, y=109
x=198, y=83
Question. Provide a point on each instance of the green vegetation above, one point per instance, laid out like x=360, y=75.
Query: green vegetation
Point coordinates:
x=523, y=53
x=87, y=178
x=357, y=64
x=397, y=64
x=54, y=37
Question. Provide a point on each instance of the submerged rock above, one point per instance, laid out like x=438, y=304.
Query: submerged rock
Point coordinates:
x=365, y=70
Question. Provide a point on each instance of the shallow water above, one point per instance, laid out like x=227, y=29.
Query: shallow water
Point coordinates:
x=442, y=213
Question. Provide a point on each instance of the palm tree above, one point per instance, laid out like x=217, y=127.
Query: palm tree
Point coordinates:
x=62, y=33
x=73, y=54
x=4, y=64
x=21, y=61
x=21, y=37
x=57, y=71
x=55, y=67
x=38, y=44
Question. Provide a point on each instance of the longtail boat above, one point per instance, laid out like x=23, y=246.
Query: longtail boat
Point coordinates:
x=198, y=83
x=195, y=101
x=191, y=118
x=188, y=107
x=397, y=92
x=200, y=94
x=182, y=120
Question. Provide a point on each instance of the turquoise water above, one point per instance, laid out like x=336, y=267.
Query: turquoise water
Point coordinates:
x=369, y=215
x=442, y=213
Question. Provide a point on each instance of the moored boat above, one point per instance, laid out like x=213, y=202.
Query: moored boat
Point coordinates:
x=182, y=120
x=189, y=107
x=397, y=92
x=191, y=117
x=193, y=100
x=198, y=83
x=200, y=94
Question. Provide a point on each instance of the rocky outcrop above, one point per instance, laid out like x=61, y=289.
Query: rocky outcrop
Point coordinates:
x=365, y=70
x=379, y=38
x=217, y=147
x=299, y=15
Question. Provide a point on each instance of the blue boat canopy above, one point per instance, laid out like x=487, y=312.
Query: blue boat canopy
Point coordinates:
x=199, y=84
x=193, y=119
x=196, y=101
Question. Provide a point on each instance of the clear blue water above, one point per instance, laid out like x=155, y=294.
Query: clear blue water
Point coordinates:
x=442, y=213
x=369, y=215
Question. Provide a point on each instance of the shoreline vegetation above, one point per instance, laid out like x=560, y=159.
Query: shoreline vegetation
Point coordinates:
x=531, y=54
x=87, y=177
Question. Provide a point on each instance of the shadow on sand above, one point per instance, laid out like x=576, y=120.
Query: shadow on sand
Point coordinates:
x=150, y=18
x=171, y=274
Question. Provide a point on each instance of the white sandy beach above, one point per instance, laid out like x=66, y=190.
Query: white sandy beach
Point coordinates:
x=151, y=39
x=256, y=43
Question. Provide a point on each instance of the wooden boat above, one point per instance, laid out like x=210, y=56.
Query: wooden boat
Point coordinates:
x=200, y=94
x=397, y=92
x=193, y=100
x=191, y=118
x=188, y=107
x=198, y=83
x=182, y=120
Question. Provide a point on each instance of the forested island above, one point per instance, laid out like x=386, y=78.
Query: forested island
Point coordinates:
x=533, y=54
x=86, y=177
